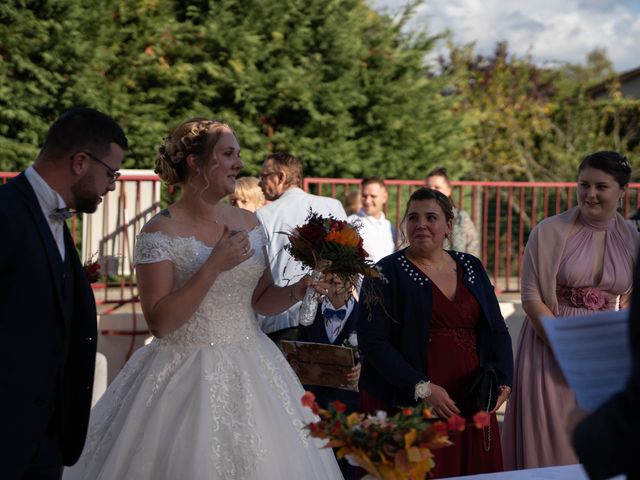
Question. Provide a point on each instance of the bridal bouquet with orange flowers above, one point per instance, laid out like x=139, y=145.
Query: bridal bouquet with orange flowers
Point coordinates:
x=388, y=448
x=327, y=245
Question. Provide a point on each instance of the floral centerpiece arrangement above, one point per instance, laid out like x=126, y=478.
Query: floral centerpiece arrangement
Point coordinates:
x=397, y=447
x=326, y=245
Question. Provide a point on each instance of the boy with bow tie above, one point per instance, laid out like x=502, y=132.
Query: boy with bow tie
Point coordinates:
x=335, y=324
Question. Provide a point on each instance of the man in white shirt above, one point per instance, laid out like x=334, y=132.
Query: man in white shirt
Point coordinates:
x=281, y=182
x=378, y=234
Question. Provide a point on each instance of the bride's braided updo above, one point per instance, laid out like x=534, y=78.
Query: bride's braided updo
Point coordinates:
x=195, y=136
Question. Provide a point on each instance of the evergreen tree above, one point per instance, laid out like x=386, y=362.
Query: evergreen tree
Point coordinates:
x=41, y=48
x=335, y=82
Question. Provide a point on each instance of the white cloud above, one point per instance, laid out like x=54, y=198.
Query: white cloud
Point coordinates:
x=550, y=30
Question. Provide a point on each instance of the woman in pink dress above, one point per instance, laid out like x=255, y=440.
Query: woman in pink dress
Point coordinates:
x=575, y=263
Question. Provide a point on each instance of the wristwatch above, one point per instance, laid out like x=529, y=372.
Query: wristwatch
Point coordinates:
x=423, y=390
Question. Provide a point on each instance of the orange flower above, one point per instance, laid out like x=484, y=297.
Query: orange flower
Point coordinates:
x=481, y=419
x=353, y=420
x=347, y=236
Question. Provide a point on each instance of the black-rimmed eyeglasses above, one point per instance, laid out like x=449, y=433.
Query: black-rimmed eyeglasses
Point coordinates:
x=115, y=174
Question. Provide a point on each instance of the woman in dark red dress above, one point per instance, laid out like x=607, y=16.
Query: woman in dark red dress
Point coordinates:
x=425, y=329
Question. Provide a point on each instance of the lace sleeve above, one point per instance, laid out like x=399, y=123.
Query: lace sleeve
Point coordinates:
x=152, y=248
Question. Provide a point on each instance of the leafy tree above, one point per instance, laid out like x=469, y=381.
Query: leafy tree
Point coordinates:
x=41, y=49
x=337, y=83
x=532, y=123
x=506, y=100
x=597, y=68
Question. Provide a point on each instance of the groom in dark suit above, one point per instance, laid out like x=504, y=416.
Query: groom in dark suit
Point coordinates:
x=47, y=308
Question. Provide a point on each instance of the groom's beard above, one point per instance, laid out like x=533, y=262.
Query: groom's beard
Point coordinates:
x=84, y=194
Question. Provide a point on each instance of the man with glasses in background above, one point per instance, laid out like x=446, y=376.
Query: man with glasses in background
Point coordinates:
x=281, y=182
x=48, y=313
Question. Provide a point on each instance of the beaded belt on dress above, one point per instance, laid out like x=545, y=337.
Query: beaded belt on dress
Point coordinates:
x=589, y=298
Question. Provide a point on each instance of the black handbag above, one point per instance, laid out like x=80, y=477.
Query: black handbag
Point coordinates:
x=484, y=389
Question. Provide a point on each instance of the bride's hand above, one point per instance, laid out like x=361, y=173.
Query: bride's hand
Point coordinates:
x=324, y=285
x=232, y=249
x=321, y=286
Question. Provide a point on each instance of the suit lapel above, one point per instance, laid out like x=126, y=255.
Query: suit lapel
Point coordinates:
x=349, y=326
x=42, y=227
x=319, y=330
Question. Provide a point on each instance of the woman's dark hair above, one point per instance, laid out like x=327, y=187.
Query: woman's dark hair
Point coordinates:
x=609, y=162
x=425, y=193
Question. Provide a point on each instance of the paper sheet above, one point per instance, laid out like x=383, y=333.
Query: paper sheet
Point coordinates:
x=593, y=352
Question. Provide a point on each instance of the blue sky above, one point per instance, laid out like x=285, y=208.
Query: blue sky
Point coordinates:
x=549, y=30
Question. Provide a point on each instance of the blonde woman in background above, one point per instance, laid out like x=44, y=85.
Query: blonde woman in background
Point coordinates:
x=352, y=202
x=248, y=194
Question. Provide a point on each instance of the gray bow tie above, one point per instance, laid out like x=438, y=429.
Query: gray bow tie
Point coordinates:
x=60, y=214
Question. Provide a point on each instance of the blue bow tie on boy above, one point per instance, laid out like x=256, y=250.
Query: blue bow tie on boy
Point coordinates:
x=331, y=313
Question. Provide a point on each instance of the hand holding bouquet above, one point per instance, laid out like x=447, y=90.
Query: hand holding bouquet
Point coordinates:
x=326, y=245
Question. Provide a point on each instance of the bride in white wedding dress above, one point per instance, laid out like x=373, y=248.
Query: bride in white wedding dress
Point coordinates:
x=211, y=397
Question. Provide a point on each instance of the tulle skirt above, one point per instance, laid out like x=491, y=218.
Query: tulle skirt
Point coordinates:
x=203, y=412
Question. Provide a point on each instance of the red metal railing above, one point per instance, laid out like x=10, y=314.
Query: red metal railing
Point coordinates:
x=504, y=213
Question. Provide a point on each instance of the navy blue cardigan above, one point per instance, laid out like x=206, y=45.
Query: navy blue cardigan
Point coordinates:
x=394, y=323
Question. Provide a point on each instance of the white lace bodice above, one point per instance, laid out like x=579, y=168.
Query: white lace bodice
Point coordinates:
x=225, y=316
